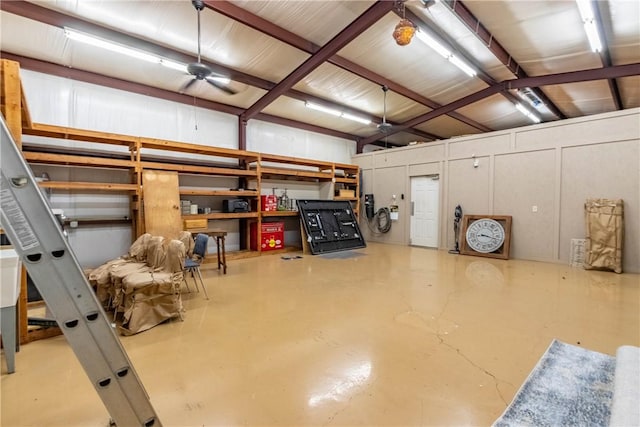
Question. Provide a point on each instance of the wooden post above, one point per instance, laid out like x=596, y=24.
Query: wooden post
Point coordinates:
x=12, y=98
x=11, y=107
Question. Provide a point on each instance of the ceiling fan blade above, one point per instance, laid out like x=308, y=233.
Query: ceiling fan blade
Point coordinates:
x=221, y=86
x=188, y=85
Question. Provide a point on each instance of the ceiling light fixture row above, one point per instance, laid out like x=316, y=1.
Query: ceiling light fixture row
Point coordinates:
x=445, y=53
x=131, y=52
x=590, y=25
x=405, y=30
x=529, y=114
x=337, y=113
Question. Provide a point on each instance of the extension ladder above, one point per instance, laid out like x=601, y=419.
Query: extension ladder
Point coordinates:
x=37, y=238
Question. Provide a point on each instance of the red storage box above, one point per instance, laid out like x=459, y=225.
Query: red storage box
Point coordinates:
x=272, y=236
x=269, y=203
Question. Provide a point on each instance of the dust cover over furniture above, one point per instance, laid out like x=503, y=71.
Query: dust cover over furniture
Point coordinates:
x=604, y=219
x=330, y=226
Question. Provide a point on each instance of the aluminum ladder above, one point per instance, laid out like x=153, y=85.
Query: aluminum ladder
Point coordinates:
x=37, y=238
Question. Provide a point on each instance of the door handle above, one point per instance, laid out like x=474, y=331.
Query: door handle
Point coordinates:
x=413, y=204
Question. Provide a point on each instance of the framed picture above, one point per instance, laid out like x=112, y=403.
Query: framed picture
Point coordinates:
x=486, y=235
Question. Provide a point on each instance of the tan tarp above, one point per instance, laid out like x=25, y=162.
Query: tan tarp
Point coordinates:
x=144, y=285
x=604, y=220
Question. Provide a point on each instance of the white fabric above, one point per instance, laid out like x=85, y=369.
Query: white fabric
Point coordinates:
x=625, y=409
x=10, y=268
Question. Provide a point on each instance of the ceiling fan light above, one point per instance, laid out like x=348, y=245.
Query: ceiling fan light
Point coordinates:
x=404, y=32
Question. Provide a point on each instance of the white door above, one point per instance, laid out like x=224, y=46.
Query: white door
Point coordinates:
x=424, y=211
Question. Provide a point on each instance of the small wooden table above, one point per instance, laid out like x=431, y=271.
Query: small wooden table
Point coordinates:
x=219, y=235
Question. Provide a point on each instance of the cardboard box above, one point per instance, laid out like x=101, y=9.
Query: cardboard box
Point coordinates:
x=272, y=237
x=269, y=203
x=195, y=223
x=347, y=193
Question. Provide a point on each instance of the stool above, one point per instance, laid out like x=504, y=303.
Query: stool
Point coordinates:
x=222, y=258
x=219, y=235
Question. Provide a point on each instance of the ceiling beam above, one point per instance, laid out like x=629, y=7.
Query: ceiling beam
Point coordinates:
x=238, y=14
x=111, y=82
x=60, y=20
x=550, y=79
x=605, y=57
x=353, y=30
x=459, y=9
x=613, y=72
x=301, y=96
x=304, y=126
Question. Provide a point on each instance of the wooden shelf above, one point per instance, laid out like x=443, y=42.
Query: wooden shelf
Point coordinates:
x=321, y=165
x=95, y=186
x=350, y=199
x=270, y=214
x=342, y=180
x=206, y=170
x=204, y=192
x=61, y=132
x=182, y=147
x=222, y=215
x=97, y=221
x=283, y=172
x=74, y=160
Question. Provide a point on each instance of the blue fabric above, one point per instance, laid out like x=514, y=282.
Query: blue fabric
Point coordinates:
x=200, y=247
x=189, y=263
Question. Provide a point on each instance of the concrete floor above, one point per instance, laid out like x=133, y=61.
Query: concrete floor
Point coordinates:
x=386, y=335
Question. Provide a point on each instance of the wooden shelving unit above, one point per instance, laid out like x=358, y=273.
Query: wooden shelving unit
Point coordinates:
x=134, y=154
x=249, y=168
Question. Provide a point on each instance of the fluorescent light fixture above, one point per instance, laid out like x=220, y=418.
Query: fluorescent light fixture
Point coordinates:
x=528, y=113
x=358, y=119
x=464, y=67
x=432, y=43
x=173, y=65
x=590, y=26
x=222, y=80
x=114, y=47
x=445, y=53
x=337, y=113
x=323, y=109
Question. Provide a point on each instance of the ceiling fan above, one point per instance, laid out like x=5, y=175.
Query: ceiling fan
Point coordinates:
x=384, y=127
x=201, y=71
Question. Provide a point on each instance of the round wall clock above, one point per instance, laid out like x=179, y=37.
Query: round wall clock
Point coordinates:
x=485, y=235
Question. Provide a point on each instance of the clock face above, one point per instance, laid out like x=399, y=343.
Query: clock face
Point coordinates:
x=485, y=235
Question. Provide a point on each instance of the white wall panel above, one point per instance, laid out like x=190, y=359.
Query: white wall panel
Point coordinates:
x=608, y=171
x=522, y=181
x=619, y=126
x=64, y=102
x=554, y=166
x=282, y=140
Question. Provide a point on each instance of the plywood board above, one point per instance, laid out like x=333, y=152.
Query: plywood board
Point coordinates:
x=161, y=200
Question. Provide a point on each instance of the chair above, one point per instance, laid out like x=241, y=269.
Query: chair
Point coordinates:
x=192, y=263
x=144, y=285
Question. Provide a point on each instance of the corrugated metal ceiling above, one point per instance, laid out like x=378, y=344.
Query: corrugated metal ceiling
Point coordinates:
x=260, y=43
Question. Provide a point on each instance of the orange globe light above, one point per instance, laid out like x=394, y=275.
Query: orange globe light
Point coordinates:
x=404, y=32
